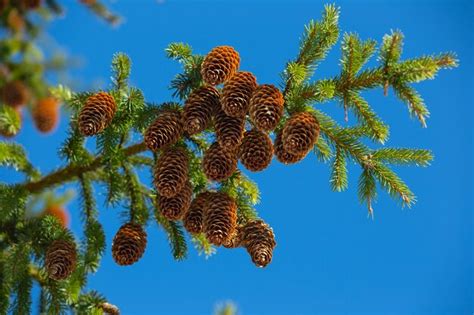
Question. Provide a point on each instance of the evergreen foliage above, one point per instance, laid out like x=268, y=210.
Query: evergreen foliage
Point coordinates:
x=116, y=162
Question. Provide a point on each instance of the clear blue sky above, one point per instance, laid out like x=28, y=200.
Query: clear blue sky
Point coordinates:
x=330, y=258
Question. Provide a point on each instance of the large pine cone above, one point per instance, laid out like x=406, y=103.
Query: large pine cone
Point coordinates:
x=259, y=240
x=175, y=207
x=266, y=107
x=171, y=172
x=129, y=244
x=219, y=65
x=220, y=218
x=256, y=150
x=46, y=114
x=15, y=93
x=284, y=156
x=165, y=130
x=229, y=130
x=300, y=133
x=61, y=259
x=97, y=113
x=237, y=92
x=193, y=219
x=199, y=108
x=219, y=164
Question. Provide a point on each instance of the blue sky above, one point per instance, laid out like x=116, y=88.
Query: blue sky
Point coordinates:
x=330, y=258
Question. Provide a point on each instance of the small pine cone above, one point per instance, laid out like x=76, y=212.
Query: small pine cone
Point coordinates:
x=171, y=172
x=266, y=107
x=235, y=240
x=284, y=156
x=219, y=65
x=165, y=130
x=46, y=114
x=129, y=244
x=175, y=207
x=199, y=108
x=193, y=219
x=15, y=94
x=109, y=309
x=300, y=133
x=229, y=130
x=220, y=219
x=15, y=20
x=256, y=150
x=237, y=92
x=31, y=4
x=97, y=114
x=218, y=163
x=61, y=259
x=259, y=240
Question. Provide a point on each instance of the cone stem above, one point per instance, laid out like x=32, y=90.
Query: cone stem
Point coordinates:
x=71, y=171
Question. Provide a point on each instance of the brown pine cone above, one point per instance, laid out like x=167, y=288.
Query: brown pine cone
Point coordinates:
x=31, y=4
x=97, y=114
x=175, y=207
x=199, y=108
x=237, y=92
x=220, y=219
x=300, y=133
x=259, y=240
x=129, y=244
x=219, y=65
x=165, y=130
x=15, y=93
x=229, y=130
x=171, y=172
x=61, y=258
x=46, y=114
x=193, y=218
x=4, y=4
x=284, y=156
x=266, y=107
x=219, y=164
x=235, y=240
x=109, y=309
x=256, y=150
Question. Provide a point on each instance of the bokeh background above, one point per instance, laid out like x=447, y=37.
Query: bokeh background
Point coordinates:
x=331, y=258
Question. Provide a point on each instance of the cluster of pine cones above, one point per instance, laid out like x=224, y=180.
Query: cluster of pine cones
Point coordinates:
x=225, y=111
x=45, y=111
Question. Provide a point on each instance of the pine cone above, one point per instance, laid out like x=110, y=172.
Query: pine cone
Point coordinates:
x=109, y=309
x=284, y=156
x=199, y=108
x=256, y=150
x=219, y=164
x=193, y=219
x=61, y=259
x=175, y=207
x=229, y=130
x=259, y=240
x=300, y=133
x=15, y=93
x=171, y=172
x=219, y=65
x=237, y=92
x=3, y=5
x=235, y=240
x=220, y=218
x=165, y=130
x=266, y=107
x=46, y=114
x=129, y=244
x=97, y=114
